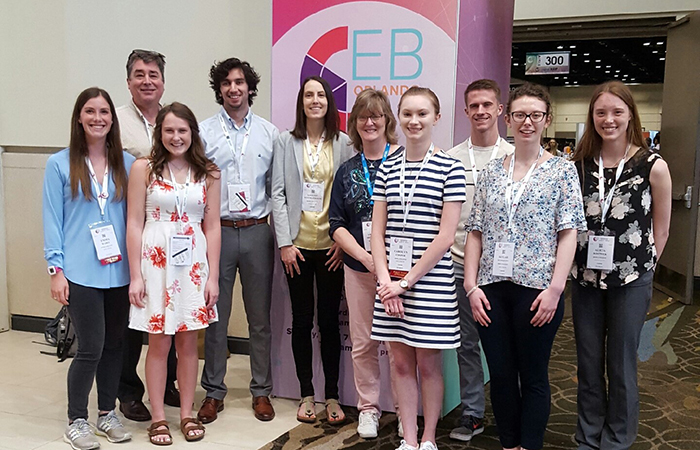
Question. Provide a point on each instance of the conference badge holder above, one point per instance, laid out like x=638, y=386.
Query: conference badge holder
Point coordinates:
x=400, y=255
x=367, y=234
x=239, y=198
x=312, y=196
x=180, y=250
x=105, y=241
x=503, y=259
x=601, y=249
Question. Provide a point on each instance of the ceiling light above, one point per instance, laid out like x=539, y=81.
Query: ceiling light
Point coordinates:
x=616, y=75
x=560, y=47
x=597, y=67
x=607, y=67
x=662, y=59
x=575, y=82
x=632, y=79
x=655, y=51
x=586, y=60
x=607, y=71
x=660, y=43
x=515, y=64
x=572, y=46
x=647, y=43
x=566, y=82
x=624, y=75
x=617, y=71
x=574, y=54
x=556, y=78
x=597, y=60
x=586, y=54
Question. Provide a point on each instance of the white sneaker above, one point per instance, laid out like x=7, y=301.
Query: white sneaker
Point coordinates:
x=80, y=436
x=368, y=424
x=405, y=446
x=111, y=427
x=427, y=446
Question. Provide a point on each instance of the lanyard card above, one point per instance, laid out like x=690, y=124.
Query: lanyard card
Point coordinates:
x=503, y=259
x=105, y=241
x=180, y=250
x=601, y=249
x=367, y=234
x=312, y=196
x=400, y=255
x=239, y=197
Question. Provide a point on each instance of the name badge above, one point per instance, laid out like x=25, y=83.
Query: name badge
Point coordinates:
x=400, y=256
x=600, y=252
x=312, y=197
x=239, y=197
x=105, y=242
x=180, y=250
x=367, y=234
x=503, y=259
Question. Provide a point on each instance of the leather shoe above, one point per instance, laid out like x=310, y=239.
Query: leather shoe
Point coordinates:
x=210, y=407
x=135, y=410
x=263, y=408
x=172, y=397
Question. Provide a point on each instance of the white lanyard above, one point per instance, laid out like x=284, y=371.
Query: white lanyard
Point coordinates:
x=246, y=137
x=472, y=161
x=512, y=206
x=314, y=157
x=180, y=203
x=605, y=202
x=149, y=132
x=406, y=203
x=103, y=192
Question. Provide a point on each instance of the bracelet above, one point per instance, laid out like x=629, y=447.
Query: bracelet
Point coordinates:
x=471, y=291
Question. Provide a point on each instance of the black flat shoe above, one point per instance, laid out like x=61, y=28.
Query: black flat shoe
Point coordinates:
x=135, y=410
x=172, y=397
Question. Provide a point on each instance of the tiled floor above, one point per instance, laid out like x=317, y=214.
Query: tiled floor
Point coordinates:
x=33, y=405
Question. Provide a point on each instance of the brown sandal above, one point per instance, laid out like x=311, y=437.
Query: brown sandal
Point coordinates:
x=334, y=413
x=306, y=412
x=153, y=432
x=187, y=430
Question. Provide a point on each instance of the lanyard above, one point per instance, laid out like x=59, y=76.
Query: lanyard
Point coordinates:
x=472, y=161
x=513, y=206
x=605, y=202
x=180, y=203
x=406, y=203
x=103, y=191
x=149, y=133
x=370, y=185
x=237, y=161
x=314, y=157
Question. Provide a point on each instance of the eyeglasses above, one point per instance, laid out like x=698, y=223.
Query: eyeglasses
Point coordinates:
x=375, y=118
x=535, y=117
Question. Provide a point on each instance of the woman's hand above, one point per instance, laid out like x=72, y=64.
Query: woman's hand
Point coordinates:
x=389, y=291
x=289, y=255
x=546, y=305
x=393, y=306
x=59, y=288
x=136, y=292
x=480, y=304
x=336, y=257
x=211, y=292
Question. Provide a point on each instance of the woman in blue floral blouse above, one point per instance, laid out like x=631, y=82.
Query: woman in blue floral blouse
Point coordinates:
x=627, y=198
x=522, y=237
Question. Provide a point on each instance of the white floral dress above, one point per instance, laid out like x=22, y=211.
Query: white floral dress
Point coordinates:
x=174, y=294
x=629, y=220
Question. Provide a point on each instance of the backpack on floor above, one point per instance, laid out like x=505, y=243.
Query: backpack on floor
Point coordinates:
x=61, y=333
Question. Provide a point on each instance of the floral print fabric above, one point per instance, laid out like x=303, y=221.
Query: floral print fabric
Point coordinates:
x=550, y=203
x=174, y=294
x=629, y=220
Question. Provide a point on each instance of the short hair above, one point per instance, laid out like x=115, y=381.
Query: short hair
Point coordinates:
x=147, y=56
x=483, y=85
x=530, y=90
x=332, y=119
x=372, y=101
x=220, y=70
x=424, y=91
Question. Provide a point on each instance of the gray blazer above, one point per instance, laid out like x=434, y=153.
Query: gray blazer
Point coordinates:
x=287, y=176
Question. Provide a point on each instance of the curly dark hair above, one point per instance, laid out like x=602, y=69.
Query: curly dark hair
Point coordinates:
x=220, y=70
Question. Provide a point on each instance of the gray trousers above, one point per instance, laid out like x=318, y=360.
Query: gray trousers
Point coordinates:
x=471, y=374
x=250, y=251
x=607, y=324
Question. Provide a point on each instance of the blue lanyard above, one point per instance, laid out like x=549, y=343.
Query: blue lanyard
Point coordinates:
x=370, y=185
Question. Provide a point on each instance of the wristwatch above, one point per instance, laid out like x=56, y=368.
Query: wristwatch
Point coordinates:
x=53, y=270
x=403, y=284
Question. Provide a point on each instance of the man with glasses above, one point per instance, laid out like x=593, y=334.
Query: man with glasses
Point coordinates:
x=483, y=106
x=145, y=79
x=240, y=144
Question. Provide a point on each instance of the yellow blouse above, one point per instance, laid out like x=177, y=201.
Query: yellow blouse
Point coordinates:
x=314, y=227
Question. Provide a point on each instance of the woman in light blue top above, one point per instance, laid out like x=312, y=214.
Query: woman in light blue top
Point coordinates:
x=84, y=211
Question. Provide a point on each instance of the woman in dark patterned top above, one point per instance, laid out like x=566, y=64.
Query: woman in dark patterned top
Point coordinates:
x=627, y=200
x=372, y=129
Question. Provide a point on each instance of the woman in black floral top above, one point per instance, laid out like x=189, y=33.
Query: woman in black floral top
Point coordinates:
x=614, y=264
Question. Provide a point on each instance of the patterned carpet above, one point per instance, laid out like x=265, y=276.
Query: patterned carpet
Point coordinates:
x=669, y=380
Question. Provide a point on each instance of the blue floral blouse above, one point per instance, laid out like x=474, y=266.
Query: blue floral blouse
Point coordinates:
x=550, y=203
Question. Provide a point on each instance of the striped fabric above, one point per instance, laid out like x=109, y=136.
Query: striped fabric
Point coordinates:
x=431, y=318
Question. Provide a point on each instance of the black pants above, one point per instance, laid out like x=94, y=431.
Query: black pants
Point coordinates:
x=99, y=316
x=518, y=357
x=329, y=286
x=130, y=385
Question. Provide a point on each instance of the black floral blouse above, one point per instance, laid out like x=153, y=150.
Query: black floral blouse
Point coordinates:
x=629, y=218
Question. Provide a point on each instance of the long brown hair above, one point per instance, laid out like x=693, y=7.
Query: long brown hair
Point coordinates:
x=591, y=142
x=332, y=119
x=78, y=149
x=372, y=101
x=194, y=156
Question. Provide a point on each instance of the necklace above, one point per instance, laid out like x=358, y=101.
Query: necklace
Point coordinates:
x=179, y=168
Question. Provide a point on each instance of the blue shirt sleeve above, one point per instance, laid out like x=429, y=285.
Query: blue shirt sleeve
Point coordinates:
x=54, y=182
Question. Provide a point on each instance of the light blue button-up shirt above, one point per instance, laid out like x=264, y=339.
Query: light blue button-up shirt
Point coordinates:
x=256, y=166
x=67, y=240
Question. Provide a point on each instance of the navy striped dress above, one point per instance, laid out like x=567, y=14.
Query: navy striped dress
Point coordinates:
x=431, y=318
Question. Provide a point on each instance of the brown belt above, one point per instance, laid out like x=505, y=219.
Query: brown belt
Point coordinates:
x=242, y=223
